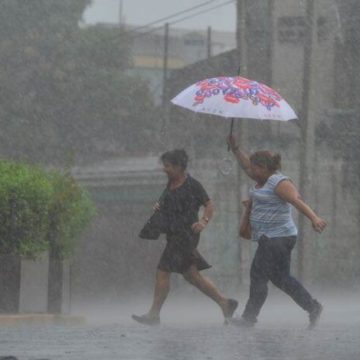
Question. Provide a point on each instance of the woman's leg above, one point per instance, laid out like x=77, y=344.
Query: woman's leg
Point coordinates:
x=207, y=287
x=258, y=282
x=280, y=274
x=162, y=287
x=161, y=291
x=282, y=279
x=258, y=291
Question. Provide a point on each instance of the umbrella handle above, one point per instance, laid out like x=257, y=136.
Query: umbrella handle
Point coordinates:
x=231, y=131
x=232, y=120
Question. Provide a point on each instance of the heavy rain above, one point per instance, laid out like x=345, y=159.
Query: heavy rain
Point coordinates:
x=179, y=179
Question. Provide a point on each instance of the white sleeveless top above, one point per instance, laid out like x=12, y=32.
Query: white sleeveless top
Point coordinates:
x=270, y=215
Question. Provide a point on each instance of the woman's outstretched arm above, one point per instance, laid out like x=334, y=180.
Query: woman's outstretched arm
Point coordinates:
x=242, y=158
x=288, y=192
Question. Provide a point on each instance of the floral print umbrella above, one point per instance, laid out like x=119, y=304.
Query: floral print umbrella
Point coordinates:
x=235, y=97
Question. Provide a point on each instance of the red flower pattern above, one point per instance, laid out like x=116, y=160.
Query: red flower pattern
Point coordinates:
x=235, y=89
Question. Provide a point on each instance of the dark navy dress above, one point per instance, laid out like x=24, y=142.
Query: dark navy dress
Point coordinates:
x=181, y=207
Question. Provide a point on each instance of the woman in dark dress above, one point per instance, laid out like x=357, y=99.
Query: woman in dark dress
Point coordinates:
x=180, y=204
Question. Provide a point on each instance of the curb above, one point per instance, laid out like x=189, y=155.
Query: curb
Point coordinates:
x=15, y=319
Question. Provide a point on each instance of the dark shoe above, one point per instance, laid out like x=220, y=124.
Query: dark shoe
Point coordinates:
x=314, y=315
x=241, y=322
x=146, y=319
x=229, y=311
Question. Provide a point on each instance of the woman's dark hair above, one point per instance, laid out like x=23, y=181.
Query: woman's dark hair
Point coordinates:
x=177, y=157
x=266, y=159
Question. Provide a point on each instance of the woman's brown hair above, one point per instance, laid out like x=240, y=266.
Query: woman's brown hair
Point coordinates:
x=266, y=159
x=177, y=157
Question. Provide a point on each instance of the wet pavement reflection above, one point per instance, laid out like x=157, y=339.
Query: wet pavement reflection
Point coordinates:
x=192, y=331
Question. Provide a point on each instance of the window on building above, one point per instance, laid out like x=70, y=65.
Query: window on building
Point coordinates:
x=322, y=29
x=291, y=29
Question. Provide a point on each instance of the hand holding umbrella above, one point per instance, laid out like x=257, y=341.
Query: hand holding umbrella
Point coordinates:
x=231, y=142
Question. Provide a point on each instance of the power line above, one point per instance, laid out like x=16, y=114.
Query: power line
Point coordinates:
x=181, y=19
x=172, y=16
x=134, y=33
x=202, y=12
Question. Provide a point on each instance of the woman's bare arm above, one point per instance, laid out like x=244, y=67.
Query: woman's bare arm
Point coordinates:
x=208, y=211
x=206, y=217
x=241, y=156
x=288, y=192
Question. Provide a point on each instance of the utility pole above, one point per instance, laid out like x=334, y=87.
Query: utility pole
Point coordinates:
x=267, y=63
x=244, y=249
x=165, y=62
x=208, y=42
x=164, y=103
x=270, y=40
x=307, y=150
x=120, y=12
x=241, y=38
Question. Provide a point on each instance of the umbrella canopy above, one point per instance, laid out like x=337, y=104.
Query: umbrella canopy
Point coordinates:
x=235, y=97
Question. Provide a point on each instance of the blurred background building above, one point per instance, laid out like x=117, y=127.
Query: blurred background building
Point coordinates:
x=157, y=51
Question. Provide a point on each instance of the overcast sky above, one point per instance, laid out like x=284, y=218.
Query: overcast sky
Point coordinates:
x=141, y=12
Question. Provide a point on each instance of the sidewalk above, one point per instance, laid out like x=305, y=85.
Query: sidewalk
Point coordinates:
x=15, y=319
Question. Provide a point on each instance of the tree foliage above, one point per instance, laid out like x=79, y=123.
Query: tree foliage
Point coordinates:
x=70, y=211
x=64, y=89
x=40, y=210
x=24, y=197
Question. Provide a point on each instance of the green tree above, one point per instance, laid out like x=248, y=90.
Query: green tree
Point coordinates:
x=24, y=217
x=64, y=88
x=70, y=211
x=102, y=107
x=40, y=210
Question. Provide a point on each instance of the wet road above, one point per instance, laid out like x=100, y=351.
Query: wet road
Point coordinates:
x=192, y=330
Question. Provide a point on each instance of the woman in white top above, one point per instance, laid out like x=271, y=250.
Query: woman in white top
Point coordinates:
x=268, y=221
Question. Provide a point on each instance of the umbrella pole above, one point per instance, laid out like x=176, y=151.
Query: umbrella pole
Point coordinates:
x=232, y=120
x=231, y=130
